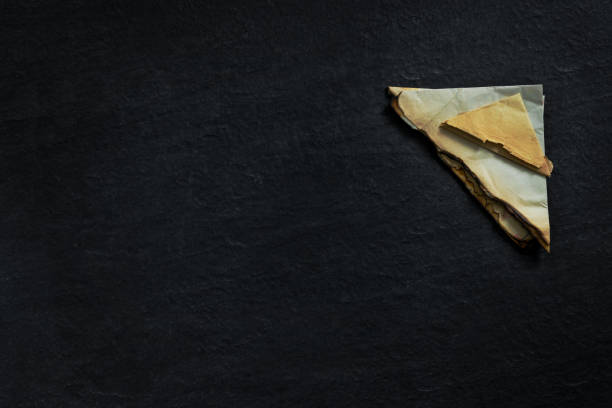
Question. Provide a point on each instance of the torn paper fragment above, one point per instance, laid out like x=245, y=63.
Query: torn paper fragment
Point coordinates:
x=514, y=195
x=504, y=128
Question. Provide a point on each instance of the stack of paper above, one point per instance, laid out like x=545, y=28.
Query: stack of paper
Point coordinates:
x=492, y=138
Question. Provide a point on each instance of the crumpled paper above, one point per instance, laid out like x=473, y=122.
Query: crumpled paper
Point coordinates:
x=514, y=195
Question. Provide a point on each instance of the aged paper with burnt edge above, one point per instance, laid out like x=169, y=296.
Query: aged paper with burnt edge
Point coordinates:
x=520, y=229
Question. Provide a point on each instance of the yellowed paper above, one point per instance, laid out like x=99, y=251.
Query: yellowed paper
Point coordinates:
x=514, y=195
x=504, y=128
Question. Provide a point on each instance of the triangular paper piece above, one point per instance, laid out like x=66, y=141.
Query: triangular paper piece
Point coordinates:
x=515, y=196
x=504, y=128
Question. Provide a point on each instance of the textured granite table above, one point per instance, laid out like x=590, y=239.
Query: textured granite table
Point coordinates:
x=212, y=205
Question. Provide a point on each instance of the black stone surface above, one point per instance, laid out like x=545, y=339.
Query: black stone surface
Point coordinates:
x=211, y=204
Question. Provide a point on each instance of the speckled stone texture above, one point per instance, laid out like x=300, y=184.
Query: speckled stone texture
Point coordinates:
x=210, y=204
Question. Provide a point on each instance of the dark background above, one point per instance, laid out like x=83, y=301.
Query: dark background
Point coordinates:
x=211, y=204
